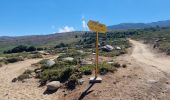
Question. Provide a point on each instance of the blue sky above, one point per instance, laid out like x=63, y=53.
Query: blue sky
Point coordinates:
x=28, y=17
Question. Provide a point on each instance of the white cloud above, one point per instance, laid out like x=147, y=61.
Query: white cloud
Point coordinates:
x=66, y=29
x=84, y=25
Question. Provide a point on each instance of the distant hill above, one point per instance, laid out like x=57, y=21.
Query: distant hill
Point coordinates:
x=125, y=26
x=50, y=40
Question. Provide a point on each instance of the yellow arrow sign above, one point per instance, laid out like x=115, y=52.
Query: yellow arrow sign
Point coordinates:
x=97, y=27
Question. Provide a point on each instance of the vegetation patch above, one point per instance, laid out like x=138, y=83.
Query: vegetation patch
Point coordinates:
x=87, y=69
x=104, y=68
x=14, y=59
x=23, y=76
x=21, y=48
x=117, y=65
x=157, y=37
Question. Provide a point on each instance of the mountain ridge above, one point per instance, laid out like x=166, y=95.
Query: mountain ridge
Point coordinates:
x=125, y=26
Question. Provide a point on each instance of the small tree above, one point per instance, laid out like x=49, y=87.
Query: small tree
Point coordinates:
x=76, y=36
x=39, y=49
x=31, y=48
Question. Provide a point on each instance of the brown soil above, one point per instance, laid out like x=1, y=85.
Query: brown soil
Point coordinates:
x=147, y=77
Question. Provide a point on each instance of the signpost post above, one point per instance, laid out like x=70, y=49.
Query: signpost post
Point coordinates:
x=96, y=27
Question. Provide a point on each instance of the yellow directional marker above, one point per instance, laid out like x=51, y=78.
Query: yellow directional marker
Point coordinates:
x=97, y=27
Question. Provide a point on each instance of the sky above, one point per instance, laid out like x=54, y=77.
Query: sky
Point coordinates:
x=38, y=17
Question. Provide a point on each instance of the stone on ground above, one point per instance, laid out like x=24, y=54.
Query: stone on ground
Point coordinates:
x=54, y=85
x=50, y=63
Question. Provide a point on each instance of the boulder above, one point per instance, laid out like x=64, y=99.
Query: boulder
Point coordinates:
x=110, y=62
x=93, y=53
x=85, y=62
x=50, y=63
x=54, y=85
x=168, y=51
x=118, y=48
x=80, y=81
x=2, y=58
x=107, y=48
x=68, y=59
x=80, y=51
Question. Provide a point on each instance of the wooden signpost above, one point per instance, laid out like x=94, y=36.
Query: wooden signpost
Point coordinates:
x=96, y=27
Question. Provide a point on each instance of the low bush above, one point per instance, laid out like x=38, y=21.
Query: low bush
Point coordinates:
x=87, y=72
x=87, y=69
x=117, y=65
x=72, y=81
x=168, y=51
x=61, y=45
x=20, y=48
x=113, y=53
x=72, y=53
x=28, y=72
x=50, y=75
x=71, y=84
x=105, y=68
x=65, y=75
x=37, y=56
x=62, y=71
x=14, y=59
x=23, y=77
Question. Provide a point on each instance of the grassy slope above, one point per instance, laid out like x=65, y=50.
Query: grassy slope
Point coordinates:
x=39, y=41
x=154, y=34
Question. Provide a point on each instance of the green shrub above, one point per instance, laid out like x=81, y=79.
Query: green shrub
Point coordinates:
x=61, y=45
x=37, y=56
x=87, y=72
x=105, y=67
x=168, y=51
x=87, y=69
x=20, y=48
x=50, y=74
x=117, y=65
x=28, y=72
x=22, y=77
x=25, y=75
x=71, y=53
x=14, y=59
x=31, y=48
x=43, y=62
x=65, y=75
x=73, y=80
x=71, y=84
x=103, y=70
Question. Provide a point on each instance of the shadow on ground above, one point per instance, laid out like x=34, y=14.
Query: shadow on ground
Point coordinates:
x=49, y=92
x=86, y=92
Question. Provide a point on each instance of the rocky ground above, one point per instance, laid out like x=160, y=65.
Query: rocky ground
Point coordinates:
x=147, y=77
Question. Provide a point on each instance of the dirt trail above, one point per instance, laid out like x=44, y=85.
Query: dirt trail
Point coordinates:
x=145, y=78
x=19, y=91
x=141, y=53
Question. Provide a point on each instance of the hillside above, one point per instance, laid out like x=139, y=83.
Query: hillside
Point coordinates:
x=125, y=26
x=38, y=40
x=159, y=38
